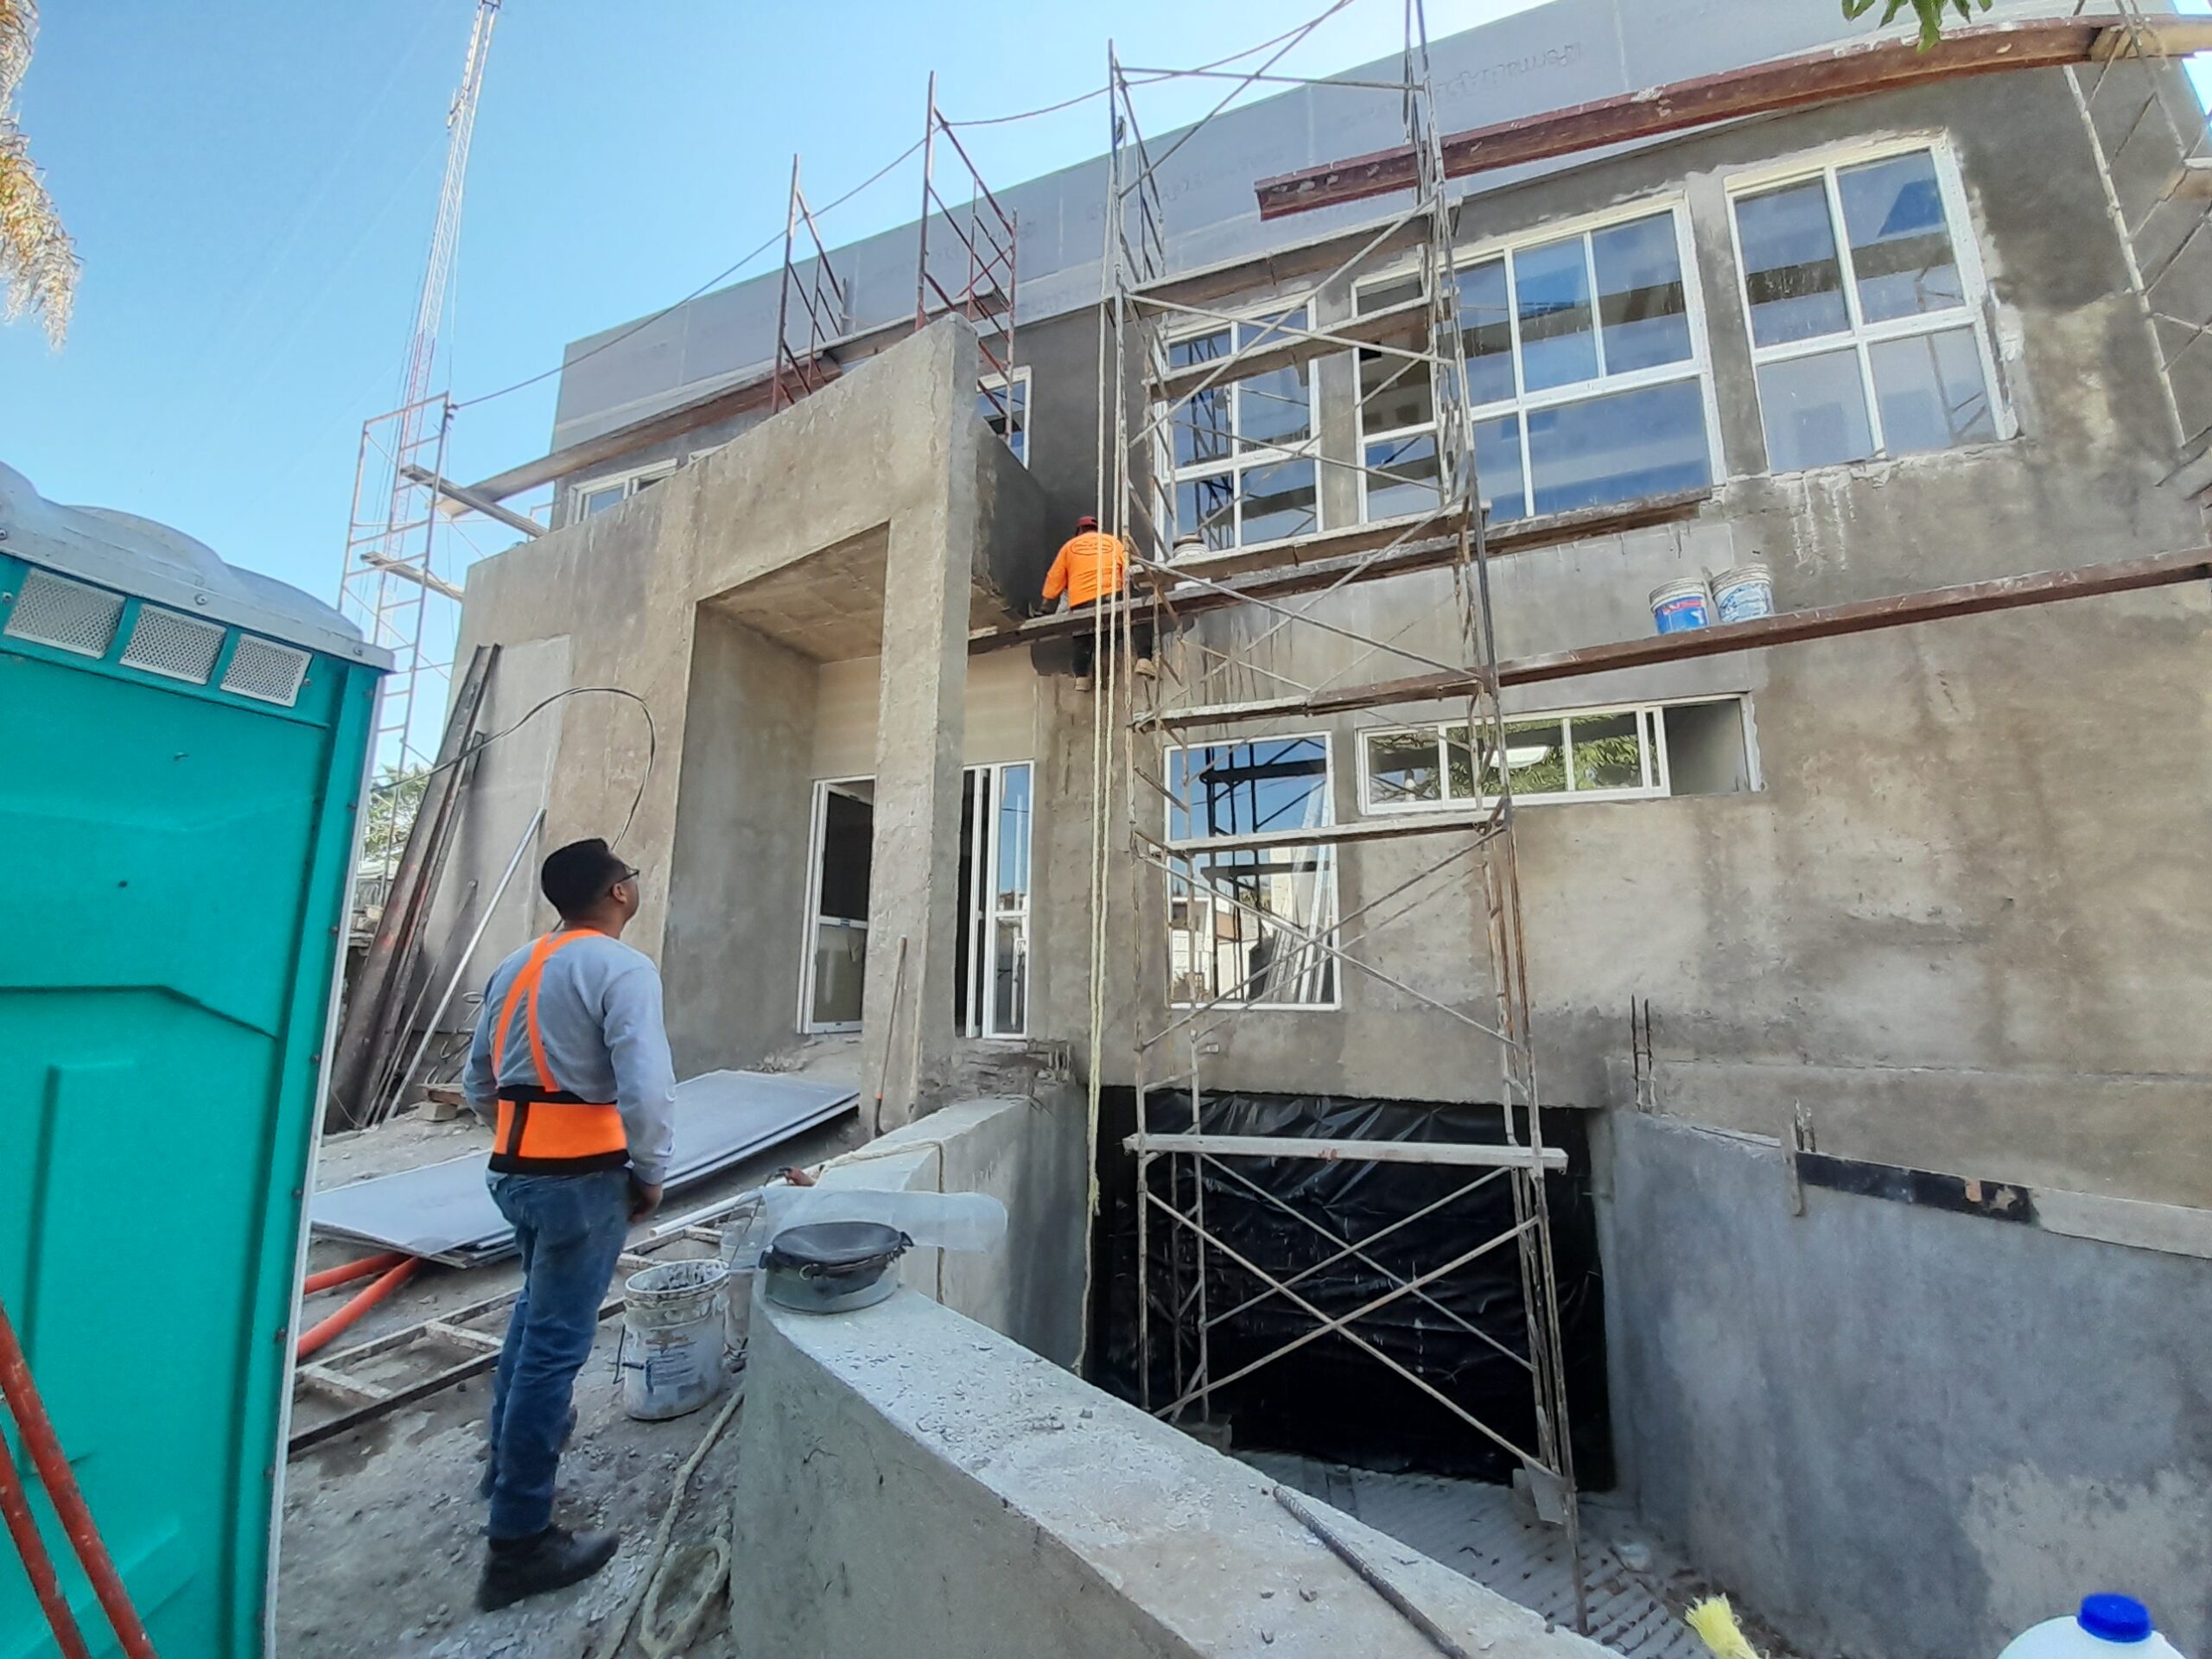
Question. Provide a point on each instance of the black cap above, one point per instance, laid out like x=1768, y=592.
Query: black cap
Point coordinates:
x=575, y=877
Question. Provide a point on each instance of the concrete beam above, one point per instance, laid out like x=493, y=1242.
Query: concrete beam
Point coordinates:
x=1858, y=70
x=1788, y=627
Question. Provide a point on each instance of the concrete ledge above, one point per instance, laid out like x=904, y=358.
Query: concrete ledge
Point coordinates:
x=1028, y=1153
x=911, y=1481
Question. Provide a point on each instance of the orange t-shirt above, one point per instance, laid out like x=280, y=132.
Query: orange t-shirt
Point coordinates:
x=1086, y=566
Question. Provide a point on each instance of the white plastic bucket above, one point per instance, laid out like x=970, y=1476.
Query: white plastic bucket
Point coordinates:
x=673, y=1334
x=1743, y=593
x=1678, y=607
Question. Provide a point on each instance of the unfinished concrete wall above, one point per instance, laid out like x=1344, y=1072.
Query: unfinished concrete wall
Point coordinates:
x=1958, y=922
x=888, y=465
x=911, y=1481
x=738, y=859
x=1899, y=1431
x=1028, y=1152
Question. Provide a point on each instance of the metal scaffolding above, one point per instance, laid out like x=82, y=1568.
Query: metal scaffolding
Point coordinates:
x=821, y=316
x=390, y=576
x=2148, y=130
x=974, y=278
x=1228, y=844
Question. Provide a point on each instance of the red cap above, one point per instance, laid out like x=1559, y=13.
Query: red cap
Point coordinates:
x=1086, y=523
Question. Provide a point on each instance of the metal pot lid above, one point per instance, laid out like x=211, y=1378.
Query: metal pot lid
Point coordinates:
x=837, y=1249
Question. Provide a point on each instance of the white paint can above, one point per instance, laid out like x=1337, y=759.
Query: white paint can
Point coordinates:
x=673, y=1333
x=1743, y=593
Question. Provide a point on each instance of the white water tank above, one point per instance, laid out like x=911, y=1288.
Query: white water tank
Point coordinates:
x=2106, y=1627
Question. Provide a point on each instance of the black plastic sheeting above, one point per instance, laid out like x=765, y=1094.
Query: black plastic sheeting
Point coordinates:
x=1329, y=1399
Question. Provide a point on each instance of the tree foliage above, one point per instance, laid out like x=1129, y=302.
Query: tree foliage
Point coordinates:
x=393, y=803
x=1933, y=14
x=38, y=262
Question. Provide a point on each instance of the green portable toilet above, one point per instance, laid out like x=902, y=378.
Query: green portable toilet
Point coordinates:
x=182, y=755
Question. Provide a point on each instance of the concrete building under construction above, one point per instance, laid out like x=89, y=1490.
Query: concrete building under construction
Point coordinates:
x=1826, y=1036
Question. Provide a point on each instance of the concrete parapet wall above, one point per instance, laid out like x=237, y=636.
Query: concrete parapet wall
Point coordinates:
x=913, y=1483
x=1026, y=1153
x=1897, y=1430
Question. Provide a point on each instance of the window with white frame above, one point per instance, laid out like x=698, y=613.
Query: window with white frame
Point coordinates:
x=1249, y=923
x=1632, y=751
x=601, y=493
x=1003, y=402
x=992, y=997
x=1586, y=369
x=1243, y=449
x=1862, y=297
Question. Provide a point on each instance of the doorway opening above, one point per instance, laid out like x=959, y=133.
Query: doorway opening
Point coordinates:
x=991, y=992
x=843, y=848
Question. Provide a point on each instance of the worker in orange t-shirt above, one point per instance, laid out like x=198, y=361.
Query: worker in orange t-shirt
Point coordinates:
x=1090, y=563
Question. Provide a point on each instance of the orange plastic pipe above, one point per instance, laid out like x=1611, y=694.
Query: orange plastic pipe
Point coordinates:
x=38, y=1565
x=318, y=1336
x=347, y=1271
x=61, y=1491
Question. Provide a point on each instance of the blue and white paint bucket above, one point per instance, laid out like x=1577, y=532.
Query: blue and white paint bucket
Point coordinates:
x=1743, y=593
x=1678, y=607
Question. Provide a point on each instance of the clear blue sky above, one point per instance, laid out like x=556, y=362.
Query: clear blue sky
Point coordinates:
x=251, y=187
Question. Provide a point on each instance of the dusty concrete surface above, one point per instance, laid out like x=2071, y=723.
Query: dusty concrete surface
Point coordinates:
x=1899, y=1431
x=381, y=1539
x=914, y=1482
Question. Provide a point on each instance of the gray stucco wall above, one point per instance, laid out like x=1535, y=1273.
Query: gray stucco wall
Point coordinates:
x=1899, y=1432
x=734, y=938
x=1961, y=923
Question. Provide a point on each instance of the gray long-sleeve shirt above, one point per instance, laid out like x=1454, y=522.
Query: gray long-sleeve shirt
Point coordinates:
x=599, y=1015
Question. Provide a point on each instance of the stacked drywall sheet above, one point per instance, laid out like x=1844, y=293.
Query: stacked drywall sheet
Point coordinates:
x=444, y=1212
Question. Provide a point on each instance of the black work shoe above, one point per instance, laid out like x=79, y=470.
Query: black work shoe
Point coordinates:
x=555, y=1558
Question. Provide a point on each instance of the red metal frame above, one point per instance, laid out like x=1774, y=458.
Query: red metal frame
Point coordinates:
x=983, y=293
x=803, y=367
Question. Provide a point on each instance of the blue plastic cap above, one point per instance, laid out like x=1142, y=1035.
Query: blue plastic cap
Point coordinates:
x=2114, y=1618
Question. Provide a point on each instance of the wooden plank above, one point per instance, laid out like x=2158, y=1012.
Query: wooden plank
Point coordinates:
x=462, y=496
x=335, y=1382
x=718, y=405
x=1394, y=827
x=479, y=1342
x=1855, y=70
x=1362, y=1152
x=1290, y=567
x=1788, y=627
x=376, y=990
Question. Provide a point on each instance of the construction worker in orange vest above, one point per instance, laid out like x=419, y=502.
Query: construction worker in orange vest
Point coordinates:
x=1089, y=563
x=570, y=1061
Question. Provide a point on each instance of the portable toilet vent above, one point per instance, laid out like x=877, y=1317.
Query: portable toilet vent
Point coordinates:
x=183, y=751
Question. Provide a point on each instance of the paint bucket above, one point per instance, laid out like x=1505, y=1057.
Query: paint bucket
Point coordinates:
x=673, y=1338
x=1678, y=607
x=1743, y=593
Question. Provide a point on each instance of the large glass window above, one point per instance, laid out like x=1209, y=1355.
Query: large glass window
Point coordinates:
x=1864, y=336
x=1243, y=449
x=993, y=937
x=1247, y=922
x=1637, y=752
x=1584, y=367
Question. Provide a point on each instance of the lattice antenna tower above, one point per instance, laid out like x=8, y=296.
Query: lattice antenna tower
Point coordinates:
x=391, y=585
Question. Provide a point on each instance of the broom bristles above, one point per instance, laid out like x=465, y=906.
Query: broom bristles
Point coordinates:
x=1714, y=1621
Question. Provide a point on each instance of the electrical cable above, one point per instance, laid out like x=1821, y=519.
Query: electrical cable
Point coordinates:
x=728, y=271
x=653, y=745
x=722, y=276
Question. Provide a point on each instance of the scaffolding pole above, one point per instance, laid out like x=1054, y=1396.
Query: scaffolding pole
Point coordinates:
x=1221, y=922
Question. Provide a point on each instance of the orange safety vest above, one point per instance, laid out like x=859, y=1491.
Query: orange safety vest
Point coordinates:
x=542, y=1129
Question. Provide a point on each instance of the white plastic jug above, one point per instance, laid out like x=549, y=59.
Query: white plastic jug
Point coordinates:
x=2107, y=1627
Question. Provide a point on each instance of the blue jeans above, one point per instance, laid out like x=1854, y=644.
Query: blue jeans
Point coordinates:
x=571, y=1229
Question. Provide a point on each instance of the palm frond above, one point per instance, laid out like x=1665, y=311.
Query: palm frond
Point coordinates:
x=38, y=262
